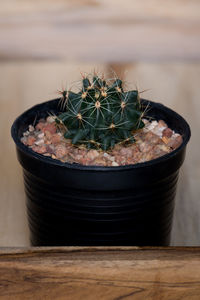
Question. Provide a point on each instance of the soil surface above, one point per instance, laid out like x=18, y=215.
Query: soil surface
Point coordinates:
x=154, y=140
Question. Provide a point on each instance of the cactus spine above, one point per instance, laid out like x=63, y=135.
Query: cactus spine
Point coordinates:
x=100, y=115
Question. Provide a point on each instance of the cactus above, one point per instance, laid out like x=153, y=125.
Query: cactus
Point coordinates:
x=100, y=115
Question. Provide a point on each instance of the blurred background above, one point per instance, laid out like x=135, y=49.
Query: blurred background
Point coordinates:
x=152, y=44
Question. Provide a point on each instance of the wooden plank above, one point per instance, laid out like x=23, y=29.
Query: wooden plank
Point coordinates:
x=100, y=273
x=101, y=31
x=175, y=85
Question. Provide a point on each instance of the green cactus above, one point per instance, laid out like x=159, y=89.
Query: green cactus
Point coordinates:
x=101, y=114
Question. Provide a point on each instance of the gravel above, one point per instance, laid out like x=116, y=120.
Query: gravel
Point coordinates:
x=154, y=140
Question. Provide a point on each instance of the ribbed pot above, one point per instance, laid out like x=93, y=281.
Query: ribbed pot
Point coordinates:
x=71, y=204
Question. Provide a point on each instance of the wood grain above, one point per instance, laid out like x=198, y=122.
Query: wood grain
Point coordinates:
x=101, y=31
x=100, y=273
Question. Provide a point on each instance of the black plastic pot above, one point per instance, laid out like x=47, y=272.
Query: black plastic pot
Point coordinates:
x=71, y=204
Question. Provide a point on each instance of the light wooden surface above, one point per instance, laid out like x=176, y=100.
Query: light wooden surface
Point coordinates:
x=100, y=273
x=45, y=44
x=101, y=30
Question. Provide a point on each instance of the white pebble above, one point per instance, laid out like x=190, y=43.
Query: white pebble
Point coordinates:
x=51, y=119
x=47, y=154
x=92, y=154
x=108, y=156
x=112, y=158
x=31, y=128
x=24, y=140
x=145, y=121
x=152, y=125
x=79, y=156
x=39, y=142
x=114, y=164
x=40, y=135
x=158, y=130
x=26, y=133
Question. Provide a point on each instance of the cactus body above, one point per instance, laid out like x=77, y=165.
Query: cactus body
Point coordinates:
x=101, y=115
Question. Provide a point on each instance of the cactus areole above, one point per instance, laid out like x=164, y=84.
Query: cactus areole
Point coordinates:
x=100, y=115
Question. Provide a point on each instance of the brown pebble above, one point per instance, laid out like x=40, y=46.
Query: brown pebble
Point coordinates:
x=82, y=151
x=176, y=142
x=50, y=149
x=159, y=150
x=55, y=138
x=120, y=159
x=126, y=152
x=145, y=147
x=92, y=154
x=167, y=132
x=31, y=140
x=148, y=156
x=165, y=140
x=60, y=151
x=136, y=153
x=78, y=157
x=40, y=125
x=42, y=149
x=49, y=127
x=99, y=161
x=48, y=135
x=39, y=149
x=151, y=138
x=162, y=123
x=82, y=161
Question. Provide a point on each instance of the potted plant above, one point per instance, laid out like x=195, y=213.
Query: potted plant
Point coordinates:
x=84, y=196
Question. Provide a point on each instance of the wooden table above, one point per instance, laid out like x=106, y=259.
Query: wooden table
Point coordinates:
x=102, y=31
x=100, y=273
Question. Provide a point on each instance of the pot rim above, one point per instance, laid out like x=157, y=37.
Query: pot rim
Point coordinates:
x=29, y=152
